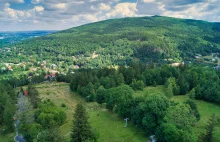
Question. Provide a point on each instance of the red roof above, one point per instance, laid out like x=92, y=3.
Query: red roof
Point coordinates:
x=25, y=92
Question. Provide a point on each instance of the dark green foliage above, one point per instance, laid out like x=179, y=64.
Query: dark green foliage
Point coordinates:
x=178, y=124
x=8, y=116
x=137, y=85
x=194, y=108
x=7, y=107
x=100, y=95
x=118, y=99
x=154, y=109
x=81, y=130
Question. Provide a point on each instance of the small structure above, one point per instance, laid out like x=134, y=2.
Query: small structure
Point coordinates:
x=177, y=64
x=10, y=68
x=54, y=66
x=126, y=122
x=76, y=67
x=25, y=92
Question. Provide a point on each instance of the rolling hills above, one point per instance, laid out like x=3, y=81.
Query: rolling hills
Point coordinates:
x=118, y=41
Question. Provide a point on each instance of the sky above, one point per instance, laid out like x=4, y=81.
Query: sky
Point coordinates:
x=24, y=15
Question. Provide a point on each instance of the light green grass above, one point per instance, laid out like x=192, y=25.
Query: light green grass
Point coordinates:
x=108, y=125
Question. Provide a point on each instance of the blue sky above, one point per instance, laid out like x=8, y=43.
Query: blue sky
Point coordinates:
x=20, y=15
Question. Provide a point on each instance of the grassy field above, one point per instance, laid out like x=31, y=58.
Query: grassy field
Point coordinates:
x=109, y=125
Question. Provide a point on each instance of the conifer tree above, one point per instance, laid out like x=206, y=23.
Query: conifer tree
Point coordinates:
x=81, y=130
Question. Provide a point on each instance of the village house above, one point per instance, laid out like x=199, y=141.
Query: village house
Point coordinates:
x=177, y=64
x=10, y=68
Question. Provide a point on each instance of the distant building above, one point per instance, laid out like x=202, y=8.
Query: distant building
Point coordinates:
x=25, y=92
x=76, y=67
x=177, y=64
x=10, y=68
x=54, y=66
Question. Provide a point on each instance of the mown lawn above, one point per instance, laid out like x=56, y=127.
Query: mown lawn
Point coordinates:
x=109, y=126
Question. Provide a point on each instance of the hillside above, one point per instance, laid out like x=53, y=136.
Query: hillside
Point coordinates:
x=118, y=41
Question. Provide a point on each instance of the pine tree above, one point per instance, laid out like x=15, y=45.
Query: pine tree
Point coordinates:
x=208, y=135
x=8, y=116
x=81, y=130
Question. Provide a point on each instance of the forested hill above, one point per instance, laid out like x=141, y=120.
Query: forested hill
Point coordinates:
x=117, y=41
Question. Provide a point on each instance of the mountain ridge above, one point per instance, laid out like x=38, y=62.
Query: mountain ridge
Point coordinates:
x=118, y=41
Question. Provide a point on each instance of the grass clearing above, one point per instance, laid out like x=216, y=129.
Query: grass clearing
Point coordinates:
x=109, y=125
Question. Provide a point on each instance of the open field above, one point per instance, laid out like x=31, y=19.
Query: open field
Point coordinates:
x=109, y=125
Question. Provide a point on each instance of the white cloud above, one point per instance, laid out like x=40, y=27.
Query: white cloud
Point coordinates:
x=59, y=6
x=146, y=1
x=35, y=1
x=123, y=10
x=38, y=8
x=62, y=14
x=35, y=21
x=104, y=7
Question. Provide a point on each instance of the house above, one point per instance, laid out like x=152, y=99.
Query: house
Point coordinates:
x=10, y=68
x=54, y=66
x=53, y=75
x=177, y=64
x=25, y=92
x=76, y=67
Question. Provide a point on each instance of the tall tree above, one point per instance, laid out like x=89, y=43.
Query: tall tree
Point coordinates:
x=81, y=130
x=8, y=115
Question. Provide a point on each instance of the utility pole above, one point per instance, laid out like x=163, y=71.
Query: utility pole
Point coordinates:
x=126, y=122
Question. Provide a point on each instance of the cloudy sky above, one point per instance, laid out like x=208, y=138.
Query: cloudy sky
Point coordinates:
x=19, y=15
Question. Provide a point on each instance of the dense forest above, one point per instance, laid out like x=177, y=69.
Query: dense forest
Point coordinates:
x=118, y=41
